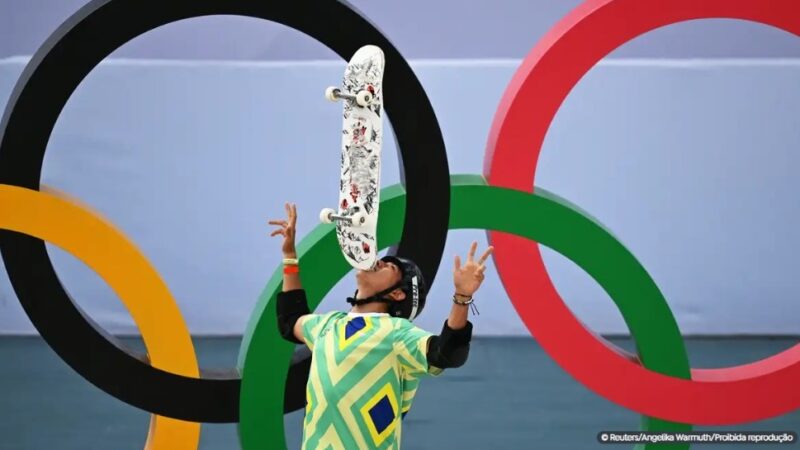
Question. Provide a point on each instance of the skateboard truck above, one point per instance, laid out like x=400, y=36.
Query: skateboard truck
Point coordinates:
x=328, y=215
x=363, y=98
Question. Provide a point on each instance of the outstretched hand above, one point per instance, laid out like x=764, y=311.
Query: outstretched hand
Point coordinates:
x=468, y=277
x=287, y=230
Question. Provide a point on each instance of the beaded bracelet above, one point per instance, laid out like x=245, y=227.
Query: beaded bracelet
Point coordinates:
x=469, y=302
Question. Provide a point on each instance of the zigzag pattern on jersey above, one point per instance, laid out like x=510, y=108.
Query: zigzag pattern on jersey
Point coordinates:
x=342, y=358
x=370, y=399
x=367, y=394
x=331, y=440
x=410, y=385
x=316, y=401
x=355, y=328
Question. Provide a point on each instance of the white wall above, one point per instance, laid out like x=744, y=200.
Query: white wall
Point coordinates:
x=419, y=28
x=691, y=163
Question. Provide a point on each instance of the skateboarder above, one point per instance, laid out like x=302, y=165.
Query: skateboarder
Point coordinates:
x=366, y=363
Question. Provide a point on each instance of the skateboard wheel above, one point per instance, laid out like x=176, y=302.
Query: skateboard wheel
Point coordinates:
x=364, y=98
x=332, y=93
x=358, y=219
x=325, y=215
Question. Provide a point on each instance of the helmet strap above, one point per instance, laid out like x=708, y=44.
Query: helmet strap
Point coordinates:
x=379, y=297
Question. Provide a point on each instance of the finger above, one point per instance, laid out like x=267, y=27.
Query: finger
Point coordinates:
x=276, y=232
x=472, y=251
x=293, y=219
x=485, y=255
x=458, y=262
x=480, y=270
x=278, y=222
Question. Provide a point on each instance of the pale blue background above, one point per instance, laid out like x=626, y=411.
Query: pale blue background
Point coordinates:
x=419, y=28
x=192, y=136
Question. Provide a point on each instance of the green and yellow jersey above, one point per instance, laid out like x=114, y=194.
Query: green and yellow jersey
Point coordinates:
x=365, y=369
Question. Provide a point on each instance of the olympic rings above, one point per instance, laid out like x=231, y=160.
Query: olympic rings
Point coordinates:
x=541, y=217
x=718, y=397
x=54, y=218
x=46, y=84
x=554, y=66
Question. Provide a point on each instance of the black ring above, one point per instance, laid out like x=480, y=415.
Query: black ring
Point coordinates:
x=43, y=89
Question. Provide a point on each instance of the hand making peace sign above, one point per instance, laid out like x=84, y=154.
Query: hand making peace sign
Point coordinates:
x=468, y=278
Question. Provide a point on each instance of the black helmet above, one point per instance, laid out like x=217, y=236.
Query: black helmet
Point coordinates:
x=412, y=283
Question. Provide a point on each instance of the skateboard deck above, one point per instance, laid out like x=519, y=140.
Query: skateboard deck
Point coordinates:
x=356, y=216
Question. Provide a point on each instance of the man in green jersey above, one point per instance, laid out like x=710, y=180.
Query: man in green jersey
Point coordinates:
x=366, y=363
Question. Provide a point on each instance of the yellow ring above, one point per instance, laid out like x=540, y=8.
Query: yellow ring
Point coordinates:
x=53, y=217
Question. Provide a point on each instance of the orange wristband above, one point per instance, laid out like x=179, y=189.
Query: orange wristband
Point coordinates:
x=289, y=269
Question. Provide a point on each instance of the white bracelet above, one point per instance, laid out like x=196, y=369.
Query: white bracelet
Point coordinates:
x=290, y=261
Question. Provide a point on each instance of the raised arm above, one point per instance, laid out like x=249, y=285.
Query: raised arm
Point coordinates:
x=286, y=228
x=451, y=347
x=467, y=279
x=292, y=304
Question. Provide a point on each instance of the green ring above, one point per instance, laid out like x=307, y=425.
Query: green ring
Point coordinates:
x=264, y=356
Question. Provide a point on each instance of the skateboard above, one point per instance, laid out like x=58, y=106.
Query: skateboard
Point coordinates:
x=356, y=216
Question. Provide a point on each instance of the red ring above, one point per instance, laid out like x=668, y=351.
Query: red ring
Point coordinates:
x=725, y=396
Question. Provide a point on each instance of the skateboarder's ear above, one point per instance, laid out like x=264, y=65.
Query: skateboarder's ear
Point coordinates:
x=397, y=295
